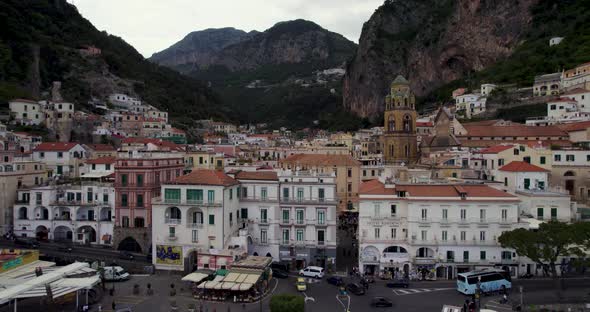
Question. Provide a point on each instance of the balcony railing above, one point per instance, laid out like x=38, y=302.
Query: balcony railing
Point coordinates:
x=172, y=221
x=299, y=222
x=195, y=225
x=258, y=199
x=172, y=237
x=22, y=201
x=65, y=202
x=195, y=202
x=86, y=219
x=308, y=200
x=286, y=221
x=263, y=221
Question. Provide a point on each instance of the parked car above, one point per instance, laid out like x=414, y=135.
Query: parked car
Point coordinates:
x=25, y=242
x=335, y=280
x=279, y=266
x=65, y=248
x=115, y=273
x=405, y=283
x=278, y=273
x=125, y=255
x=300, y=284
x=355, y=289
x=381, y=302
x=312, y=271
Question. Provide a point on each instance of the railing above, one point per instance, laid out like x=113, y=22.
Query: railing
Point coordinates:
x=21, y=201
x=286, y=221
x=172, y=237
x=299, y=222
x=258, y=199
x=172, y=221
x=85, y=219
x=171, y=201
x=186, y=202
x=195, y=225
x=321, y=243
x=300, y=200
x=263, y=221
x=79, y=203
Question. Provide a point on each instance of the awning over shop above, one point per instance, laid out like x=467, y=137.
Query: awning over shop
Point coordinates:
x=195, y=277
x=227, y=285
x=245, y=286
x=221, y=272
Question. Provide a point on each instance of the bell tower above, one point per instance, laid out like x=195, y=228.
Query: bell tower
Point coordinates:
x=399, y=133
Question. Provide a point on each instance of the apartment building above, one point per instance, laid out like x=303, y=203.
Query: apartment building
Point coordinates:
x=61, y=159
x=571, y=172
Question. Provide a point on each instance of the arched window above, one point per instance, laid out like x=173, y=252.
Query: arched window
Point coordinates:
x=391, y=124
x=407, y=123
x=22, y=213
x=174, y=213
x=391, y=150
x=407, y=151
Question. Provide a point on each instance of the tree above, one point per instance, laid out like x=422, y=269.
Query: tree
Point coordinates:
x=545, y=245
x=287, y=303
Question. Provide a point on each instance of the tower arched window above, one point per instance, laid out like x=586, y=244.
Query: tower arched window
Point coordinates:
x=391, y=150
x=391, y=123
x=405, y=101
x=407, y=123
x=407, y=151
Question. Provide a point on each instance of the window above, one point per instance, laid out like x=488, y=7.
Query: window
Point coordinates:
x=553, y=213
x=172, y=195
x=263, y=215
x=211, y=196
x=123, y=180
x=424, y=214
x=500, y=162
x=244, y=192
x=482, y=255
x=482, y=215
x=60, y=155
x=263, y=237
x=300, y=194
x=542, y=160
x=516, y=152
x=377, y=232
x=321, y=194
x=138, y=222
x=285, y=216
x=394, y=233
x=504, y=214
x=505, y=181
x=349, y=172
x=482, y=235
x=557, y=157
x=93, y=166
x=587, y=157
x=506, y=255
x=527, y=159
x=194, y=196
x=444, y=235
x=139, y=180
x=570, y=157
x=41, y=154
x=527, y=183
x=299, y=235
x=286, y=236
x=540, y=213
x=321, y=216
x=264, y=193
x=195, y=236
x=450, y=255
x=172, y=231
x=463, y=235
x=445, y=214
x=139, y=200
x=286, y=193
x=125, y=221
x=231, y=194
x=299, y=216
x=349, y=187
x=124, y=202
x=211, y=219
x=244, y=213
x=393, y=209
x=231, y=219
x=321, y=237
x=377, y=210
x=463, y=214
x=466, y=256
x=423, y=235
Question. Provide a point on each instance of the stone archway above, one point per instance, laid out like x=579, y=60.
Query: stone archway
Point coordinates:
x=42, y=233
x=86, y=234
x=62, y=233
x=129, y=244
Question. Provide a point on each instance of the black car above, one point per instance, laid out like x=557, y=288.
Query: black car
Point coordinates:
x=279, y=266
x=381, y=302
x=65, y=248
x=335, y=280
x=278, y=273
x=355, y=289
x=28, y=243
x=404, y=283
x=125, y=255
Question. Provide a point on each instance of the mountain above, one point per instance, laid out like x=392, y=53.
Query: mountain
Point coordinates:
x=199, y=47
x=430, y=42
x=289, y=75
x=40, y=43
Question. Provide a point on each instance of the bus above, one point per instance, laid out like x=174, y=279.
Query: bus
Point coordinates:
x=489, y=281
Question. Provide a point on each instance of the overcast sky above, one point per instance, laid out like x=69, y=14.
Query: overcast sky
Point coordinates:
x=153, y=25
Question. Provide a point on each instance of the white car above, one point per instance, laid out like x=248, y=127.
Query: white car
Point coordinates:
x=312, y=271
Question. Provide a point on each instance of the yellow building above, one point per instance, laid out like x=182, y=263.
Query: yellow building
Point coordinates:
x=399, y=138
x=203, y=160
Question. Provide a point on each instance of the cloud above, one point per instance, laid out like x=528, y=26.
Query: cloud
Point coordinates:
x=153, y=25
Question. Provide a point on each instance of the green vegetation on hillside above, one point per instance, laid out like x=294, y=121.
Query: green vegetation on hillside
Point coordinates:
x=57, y=30
x=551, y=18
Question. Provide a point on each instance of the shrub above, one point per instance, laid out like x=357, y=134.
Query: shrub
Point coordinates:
x=286, y=303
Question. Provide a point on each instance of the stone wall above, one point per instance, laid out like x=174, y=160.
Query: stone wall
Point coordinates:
x=143, y=236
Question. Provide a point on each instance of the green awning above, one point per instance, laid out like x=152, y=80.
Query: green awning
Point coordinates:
x=221, y=272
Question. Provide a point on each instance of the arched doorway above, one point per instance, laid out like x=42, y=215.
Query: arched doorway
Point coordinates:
x=129, y=244
x=370, y=257
x=425, y=252
x=570, y=183
x=86, y=234
x=268, y=255
x=62, y=233
x=41, y=233
x=255, y=254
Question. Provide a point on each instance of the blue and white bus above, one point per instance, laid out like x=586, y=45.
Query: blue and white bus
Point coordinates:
x=489, y=281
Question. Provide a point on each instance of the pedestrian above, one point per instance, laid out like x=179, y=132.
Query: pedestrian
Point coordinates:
x=465, y=306
x=472, y=306
x=114, y=305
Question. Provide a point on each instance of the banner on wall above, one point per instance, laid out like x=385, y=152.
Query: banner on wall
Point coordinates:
x=171, y=255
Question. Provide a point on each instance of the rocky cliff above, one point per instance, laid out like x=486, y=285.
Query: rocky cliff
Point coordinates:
x=431, y=42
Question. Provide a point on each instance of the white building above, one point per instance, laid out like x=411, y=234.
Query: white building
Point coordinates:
x=60, y=158
x=123, y=101
x=470, y=104
x=545, y=206
x=520, y=175
x=548, y=84
x=290, y=216
x=555, y=41
x=563, y=110
x=487, y=88
x=98, y=167
x=198, y=213
x=441, y=230
x=26, y=112
x=78, y=213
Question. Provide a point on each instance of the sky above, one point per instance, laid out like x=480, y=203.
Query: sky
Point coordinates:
x=153, y=25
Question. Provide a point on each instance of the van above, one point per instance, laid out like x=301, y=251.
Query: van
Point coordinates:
x=115, y=273
x=312, y=271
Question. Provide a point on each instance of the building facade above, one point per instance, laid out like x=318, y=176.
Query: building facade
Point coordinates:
x=399, y=138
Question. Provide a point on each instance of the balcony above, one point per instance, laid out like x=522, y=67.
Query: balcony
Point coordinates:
x=258, y=199
x=172, y=221
x=263, y=221
x=86, y=220
x=172, y=237
x=65, y=202
x=300, y=222
x=309, y=200
x=22, y=201
x=194, y=225
x=286, y=221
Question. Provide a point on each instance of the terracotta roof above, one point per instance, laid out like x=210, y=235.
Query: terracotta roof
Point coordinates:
x=577, y=91
x=102, y=160
x=257, y=175
x=575, y=126
x=55, y=147
x=207, y=177
x=562, y=99
x=24, y=101
x=513, y=131
x=495, y=149
x=134, y=140
x=423, y=123
x=531, y=143
x=101, y=147
x=321, y=160
x=375, y=187
x=522, y=166
x=482, y=123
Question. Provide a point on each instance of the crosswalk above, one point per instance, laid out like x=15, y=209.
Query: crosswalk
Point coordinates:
x=497, y=306
x=412, y=291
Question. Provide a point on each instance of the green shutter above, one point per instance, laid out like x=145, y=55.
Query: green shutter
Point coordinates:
x=211, y=219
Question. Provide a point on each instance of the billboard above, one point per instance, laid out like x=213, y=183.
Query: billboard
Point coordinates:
x=171, y=255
